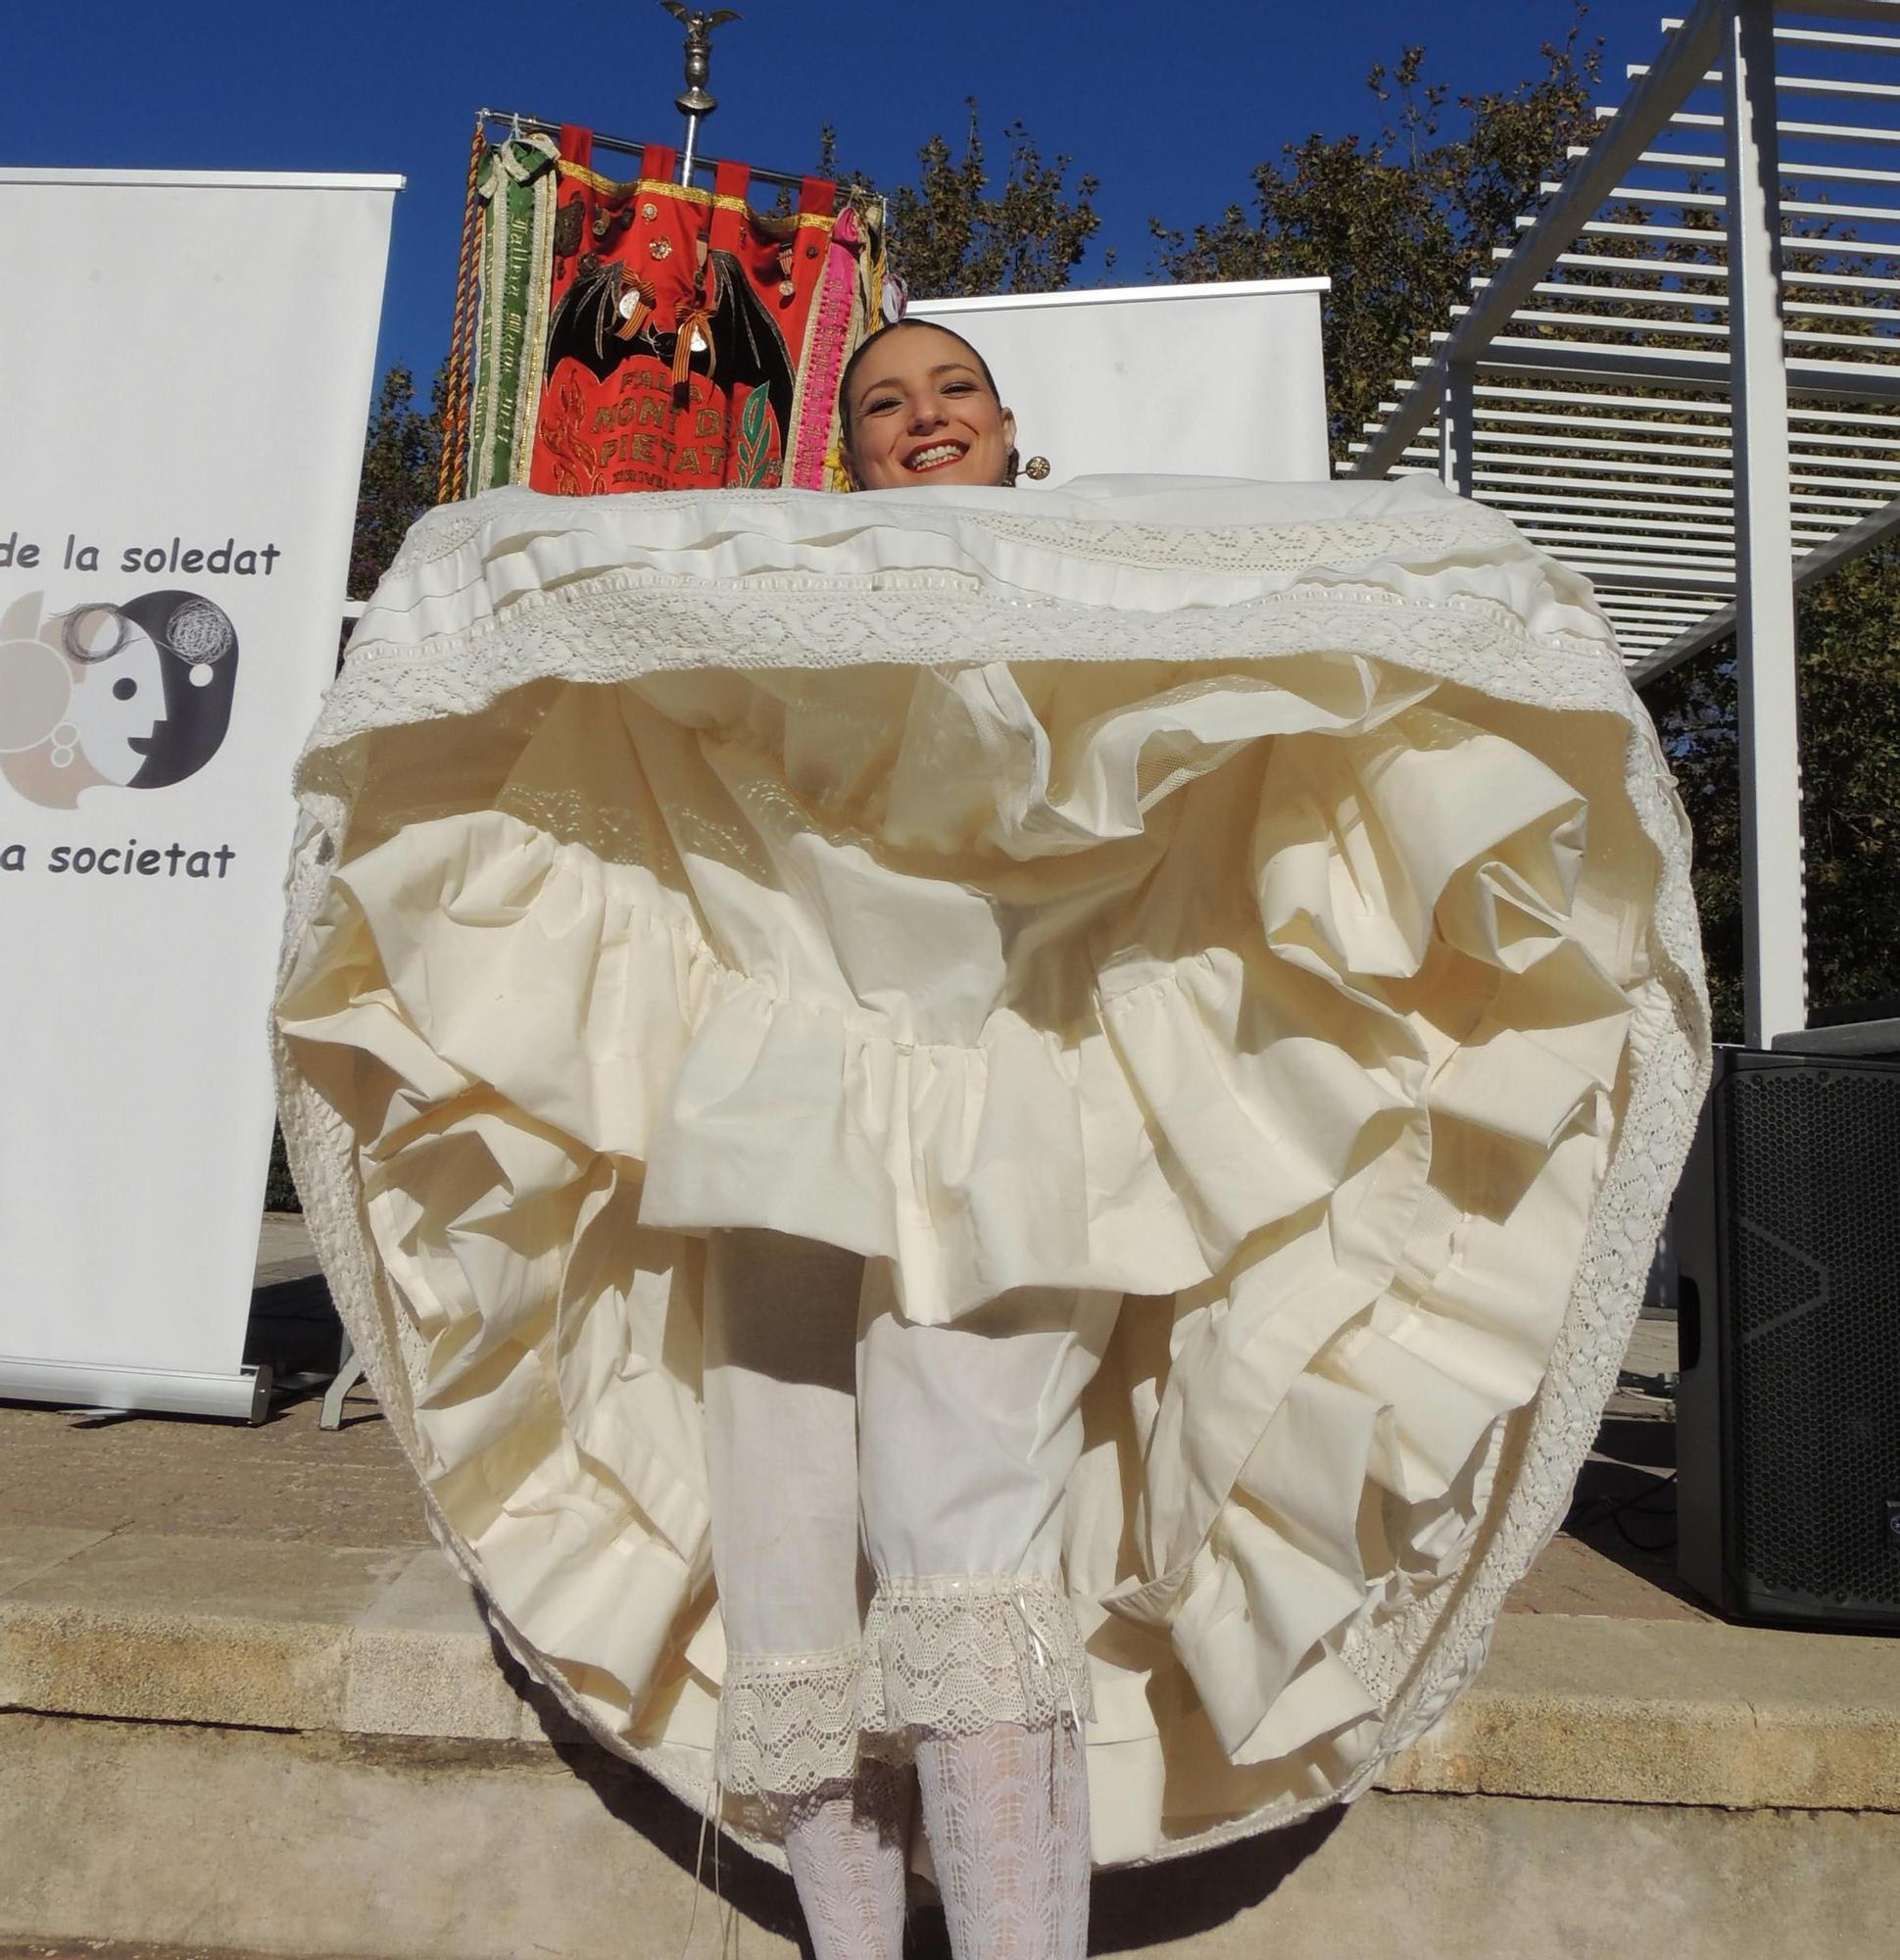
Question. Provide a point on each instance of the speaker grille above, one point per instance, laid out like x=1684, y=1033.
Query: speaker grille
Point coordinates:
x=1814, y=1259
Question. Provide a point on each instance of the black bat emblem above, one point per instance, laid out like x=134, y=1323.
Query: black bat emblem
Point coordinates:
x=747, y=344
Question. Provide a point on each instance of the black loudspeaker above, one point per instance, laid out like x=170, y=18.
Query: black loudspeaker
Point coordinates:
x=1787, y=1241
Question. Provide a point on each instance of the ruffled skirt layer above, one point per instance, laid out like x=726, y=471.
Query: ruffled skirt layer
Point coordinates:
x=1312, y=997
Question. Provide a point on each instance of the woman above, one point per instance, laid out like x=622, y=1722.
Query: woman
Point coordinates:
x=980, y=1676
x=917, y=405
x=1122, y=1052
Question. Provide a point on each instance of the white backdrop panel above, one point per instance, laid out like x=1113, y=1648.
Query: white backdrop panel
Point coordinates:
x=188, y=362
x=1214, y=380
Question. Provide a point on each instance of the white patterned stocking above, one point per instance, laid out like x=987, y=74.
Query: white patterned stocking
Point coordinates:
x=1006, y=1813
x=846, y=1843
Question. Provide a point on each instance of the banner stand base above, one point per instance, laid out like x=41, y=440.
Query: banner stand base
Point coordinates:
x=243, y=1396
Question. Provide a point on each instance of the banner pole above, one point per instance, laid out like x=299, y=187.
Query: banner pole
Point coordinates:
x=693, y=102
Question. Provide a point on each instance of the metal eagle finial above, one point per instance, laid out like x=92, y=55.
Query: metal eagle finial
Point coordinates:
x=698, y=53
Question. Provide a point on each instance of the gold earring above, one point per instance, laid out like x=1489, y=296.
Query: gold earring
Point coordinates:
x=1035, y=468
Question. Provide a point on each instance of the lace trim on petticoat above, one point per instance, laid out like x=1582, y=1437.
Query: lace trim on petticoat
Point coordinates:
x=621, y=625
x=953, y=1655
x=1253, y=548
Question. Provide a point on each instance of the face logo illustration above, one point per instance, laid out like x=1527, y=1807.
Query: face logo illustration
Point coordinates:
x=133, y=694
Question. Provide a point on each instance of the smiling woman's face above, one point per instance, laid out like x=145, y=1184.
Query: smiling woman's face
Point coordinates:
x=922, y=413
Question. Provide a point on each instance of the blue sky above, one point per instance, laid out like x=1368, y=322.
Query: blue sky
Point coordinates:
x=1169, y=105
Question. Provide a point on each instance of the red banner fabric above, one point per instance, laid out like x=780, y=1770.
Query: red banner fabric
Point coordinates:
x=677, y=330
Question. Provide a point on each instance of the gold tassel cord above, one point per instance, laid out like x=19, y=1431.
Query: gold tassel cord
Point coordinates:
x=453, y=475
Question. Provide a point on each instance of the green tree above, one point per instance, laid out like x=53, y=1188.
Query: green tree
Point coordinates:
x=952, y=233
x=1398, y=222
x=1850, y=772
x=402, y=454
x=1848, y=633
x=1694, y=711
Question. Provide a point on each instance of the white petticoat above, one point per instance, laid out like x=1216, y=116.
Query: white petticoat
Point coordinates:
x=1266, y=903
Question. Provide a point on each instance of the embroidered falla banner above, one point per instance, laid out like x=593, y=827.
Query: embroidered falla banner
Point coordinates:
x=692, y=341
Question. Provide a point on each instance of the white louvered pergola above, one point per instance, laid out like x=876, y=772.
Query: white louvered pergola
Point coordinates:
x=1685, y=378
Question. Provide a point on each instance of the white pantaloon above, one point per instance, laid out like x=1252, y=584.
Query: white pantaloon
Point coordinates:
x=887, y=1506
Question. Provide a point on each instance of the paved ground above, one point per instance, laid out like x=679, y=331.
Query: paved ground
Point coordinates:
x=256, y=1616
x=101, y=1949
x=288, y=1479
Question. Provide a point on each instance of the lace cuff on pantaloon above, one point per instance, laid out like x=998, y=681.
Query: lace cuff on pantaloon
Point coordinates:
x=943, y=1655
x=952, y=1655
x=788, y=1723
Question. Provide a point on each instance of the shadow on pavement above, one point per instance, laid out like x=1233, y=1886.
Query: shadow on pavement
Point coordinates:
x=1625, y=1504
x=1130, y=1908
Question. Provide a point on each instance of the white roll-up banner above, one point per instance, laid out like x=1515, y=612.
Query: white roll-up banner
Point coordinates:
x=186, y=368
x=1204, y=380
